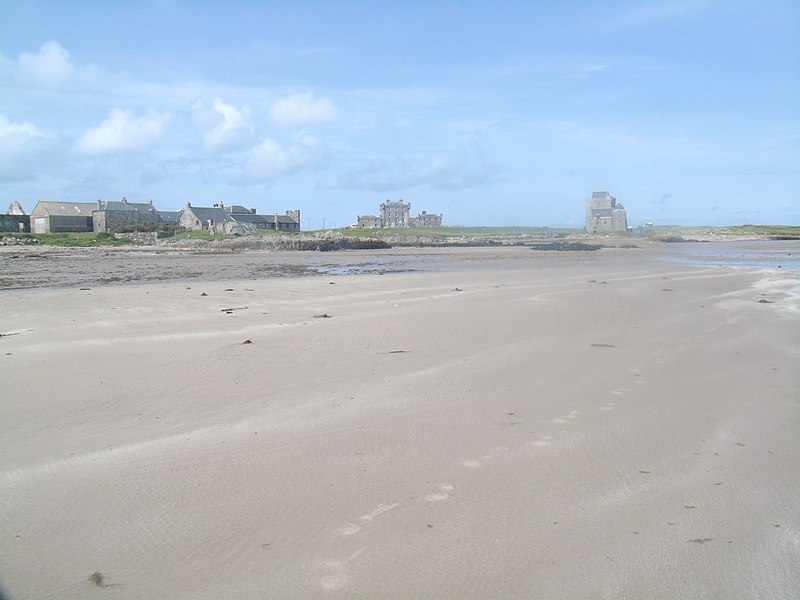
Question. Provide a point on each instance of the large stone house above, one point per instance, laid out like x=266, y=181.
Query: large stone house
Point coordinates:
x=425, y=219
x=235, y=219
x=604, y=215
x=113, y=215
x=397, y=214
x=368, y=222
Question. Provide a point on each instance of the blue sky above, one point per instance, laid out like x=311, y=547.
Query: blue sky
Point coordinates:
x=506, y=113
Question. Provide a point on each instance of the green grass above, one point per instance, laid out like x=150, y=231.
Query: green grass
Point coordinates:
x=199, y=234
x=790, y=232
x=77, y=240
x=466, y=233
x=203, y=234
x=774, y=231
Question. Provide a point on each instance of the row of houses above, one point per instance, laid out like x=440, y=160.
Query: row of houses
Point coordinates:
x=110, y=216
x=397, y=214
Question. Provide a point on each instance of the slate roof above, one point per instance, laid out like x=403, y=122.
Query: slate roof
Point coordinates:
x=63, y=209
x=238, y=214
x=238, y=209
x=203, y=214
x=247, y=217
x=280, y=218
x=144, y=208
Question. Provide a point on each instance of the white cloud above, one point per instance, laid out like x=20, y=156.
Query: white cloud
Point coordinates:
x=232, y=128
x=51, y=67
x=299, y=110
x=122, y=131
x=270, y=160
x=22, y=148
x=438, y=172
x=638, y=16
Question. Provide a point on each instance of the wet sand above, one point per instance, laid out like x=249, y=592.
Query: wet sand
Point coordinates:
x=461, y=423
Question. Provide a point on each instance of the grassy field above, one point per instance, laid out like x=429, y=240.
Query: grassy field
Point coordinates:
x=435, y=234
x=466, y=233
x=774, y=232
x=78, y=240
x=791, y=232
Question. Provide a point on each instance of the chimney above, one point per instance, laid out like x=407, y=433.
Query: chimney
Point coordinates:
x=188, y=205
x=99, y=204
x=252, y=211
x=124, y=199
x=221, y=205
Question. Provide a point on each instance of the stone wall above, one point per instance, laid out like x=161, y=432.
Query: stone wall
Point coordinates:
x=109, y=220
x=15, y=223
x=145, y=238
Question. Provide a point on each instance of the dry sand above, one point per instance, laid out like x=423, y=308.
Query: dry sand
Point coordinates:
x=498, y=424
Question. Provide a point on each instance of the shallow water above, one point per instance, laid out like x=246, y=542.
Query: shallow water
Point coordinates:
x=760, y=254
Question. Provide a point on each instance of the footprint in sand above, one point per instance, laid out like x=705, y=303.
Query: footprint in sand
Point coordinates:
x=437, y=497
x=335, y=577
x=572, y=415
x=473, y=464
x=542, y=441
x=618, y=391
x=609, y=406
x=442, y=494
x=382, y=508
x=353, y=528
x=349, y=529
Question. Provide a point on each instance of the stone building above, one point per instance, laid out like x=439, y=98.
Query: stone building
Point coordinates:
x=368, y=222
x=286, y=222
x=604, y=215
x=116, y=214
x=426, y=219
x=235, y=219
x=15, y=220
x=395, y=214
x=201, y=217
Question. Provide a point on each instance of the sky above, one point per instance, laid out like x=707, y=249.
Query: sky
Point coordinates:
x=507, y=113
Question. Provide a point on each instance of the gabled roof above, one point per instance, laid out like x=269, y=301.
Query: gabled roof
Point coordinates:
x=63, y=209
x=204, y=214
x=278, y=218
x=221, y=215
x=238, y=209
x=144, y=208
x=115, y=205
x=248, y=217
x=168, y=216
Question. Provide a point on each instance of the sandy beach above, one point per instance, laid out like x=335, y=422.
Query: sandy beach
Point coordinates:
x=439, y=423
